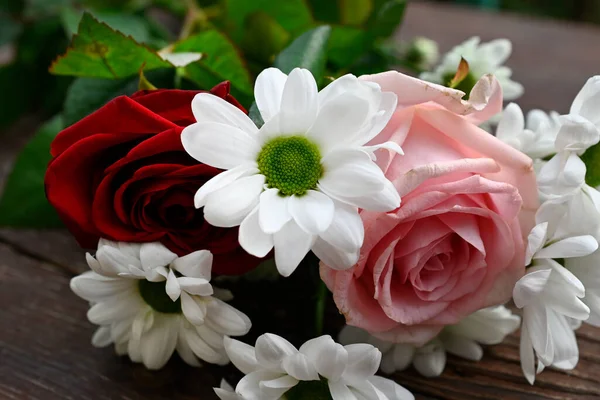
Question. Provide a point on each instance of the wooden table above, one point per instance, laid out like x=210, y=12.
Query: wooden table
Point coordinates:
x=45, y=350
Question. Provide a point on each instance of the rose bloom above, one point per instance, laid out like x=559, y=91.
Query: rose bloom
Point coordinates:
x=122, y=174
x=457, y=242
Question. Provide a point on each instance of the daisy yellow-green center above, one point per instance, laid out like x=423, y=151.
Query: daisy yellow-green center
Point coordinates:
x=291, y=164
x=156, y=296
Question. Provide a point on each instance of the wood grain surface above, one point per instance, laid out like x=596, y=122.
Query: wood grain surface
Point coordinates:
x=45, y=350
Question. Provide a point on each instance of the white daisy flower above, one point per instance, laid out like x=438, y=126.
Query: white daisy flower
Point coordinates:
x=276, y=370
x=486, y=58
x=296, y=183
x=149, y=303
x=487, y=326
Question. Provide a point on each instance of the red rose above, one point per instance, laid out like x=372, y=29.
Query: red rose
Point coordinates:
x=122, y=174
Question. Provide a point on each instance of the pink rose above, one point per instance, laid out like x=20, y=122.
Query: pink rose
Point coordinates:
x=456, y=244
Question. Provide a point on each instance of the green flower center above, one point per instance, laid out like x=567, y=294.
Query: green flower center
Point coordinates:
x=314, y=390
x=155, y=295
x=465, y=85
x=291, y=164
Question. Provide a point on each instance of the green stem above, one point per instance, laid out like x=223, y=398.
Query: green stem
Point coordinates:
x=320, y=308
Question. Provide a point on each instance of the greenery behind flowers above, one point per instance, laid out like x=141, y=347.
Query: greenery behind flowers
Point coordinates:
x=107, y=47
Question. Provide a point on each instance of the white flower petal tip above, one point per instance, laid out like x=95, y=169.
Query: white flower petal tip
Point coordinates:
x=276, y=369
x=283, y=183
x=487, y=326
x=136, y=302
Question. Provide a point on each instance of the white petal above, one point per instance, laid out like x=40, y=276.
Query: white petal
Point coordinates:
x=328, y=357
x=228, y=206
x=346, y=231
x=334, y=257
x=268, y=90
x=536, y=240
x=363, y=361
x=194, y=308
x=430, y=359
x=527, y=356
x=340, y=391
x=462, y=347
x=94, y=287
x=226, y=394
x=275, y=388
x=196, y=286
x=298, y=102
x=207, y=107
x=536, y=318
x=158, y=343
x=403, y=355
x=172, y=287
x=578, y=246
x=530, y=286
x=338, y=121
x=291, y=244
x=185, y=352
x=114, y=309
x=221, y=180
x=391, y=389
x=511, y=125
x=273, y=211
x=195, y=265
x=102, y=337
x=587, y=101
x=252, y=238
x=219, y=145
x=300, y=367
x=249, y=386
x=390, y=146
x=351, y=173
x=154, y=255
x=313, y=211
x=495, y=52
x=202, y=350
x=227, y=319
x=272, y=349
x=576, y=134
x=241, y=354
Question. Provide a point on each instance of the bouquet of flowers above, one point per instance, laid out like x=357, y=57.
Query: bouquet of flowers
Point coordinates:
x=418, y=202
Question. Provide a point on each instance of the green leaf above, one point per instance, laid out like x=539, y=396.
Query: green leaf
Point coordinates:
x=44, y=8
x=308, y=51
x=132, y=25
x=386, y=19
x=220, y=62
x=264, y=37
x=98, y=51
x=591, y=158
x=346, y=45
x=86, y=95
x=355, y=12
x=293, y=15
x=24, y=203
x=9, y=29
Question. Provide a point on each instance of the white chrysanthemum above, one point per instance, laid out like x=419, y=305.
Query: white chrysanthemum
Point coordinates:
x=275, y=368
x=587, y=270
x=488, y=326
x=296, y=183
x=534, y=136
x=486, y=58
x=149, y=303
